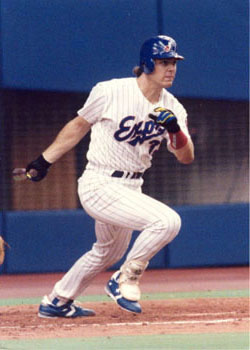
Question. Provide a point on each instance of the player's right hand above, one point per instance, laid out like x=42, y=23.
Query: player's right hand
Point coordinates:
x=37, y=169
x=166, y=118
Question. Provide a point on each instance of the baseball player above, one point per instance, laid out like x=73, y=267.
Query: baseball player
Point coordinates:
x=128, y=118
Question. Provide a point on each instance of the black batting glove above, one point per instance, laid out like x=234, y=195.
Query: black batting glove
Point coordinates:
x=166, y=118
x=37, y=170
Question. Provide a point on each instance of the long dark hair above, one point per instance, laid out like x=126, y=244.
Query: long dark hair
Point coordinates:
x=137, y=71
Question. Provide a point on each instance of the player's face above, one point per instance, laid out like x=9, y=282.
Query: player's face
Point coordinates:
x=164, y=72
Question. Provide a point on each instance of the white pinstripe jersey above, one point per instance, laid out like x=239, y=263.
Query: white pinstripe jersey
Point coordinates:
x=123, y=137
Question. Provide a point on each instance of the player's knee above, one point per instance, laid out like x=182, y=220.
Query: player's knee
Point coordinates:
x=169, y=226
x=176, y=224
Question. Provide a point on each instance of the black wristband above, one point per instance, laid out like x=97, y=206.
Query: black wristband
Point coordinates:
x=44, y=163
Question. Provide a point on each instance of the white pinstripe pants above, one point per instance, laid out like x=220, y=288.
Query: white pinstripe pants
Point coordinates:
x=119, y=208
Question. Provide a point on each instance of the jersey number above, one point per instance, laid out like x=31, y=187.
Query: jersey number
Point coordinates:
x=153, y=145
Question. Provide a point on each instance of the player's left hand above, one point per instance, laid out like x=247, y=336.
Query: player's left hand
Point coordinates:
x=165, y=118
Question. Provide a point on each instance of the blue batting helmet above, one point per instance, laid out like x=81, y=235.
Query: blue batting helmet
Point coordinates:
x=160, y=47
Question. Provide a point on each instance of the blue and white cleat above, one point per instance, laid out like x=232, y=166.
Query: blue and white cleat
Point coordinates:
x=56, y=308
x=113, y=291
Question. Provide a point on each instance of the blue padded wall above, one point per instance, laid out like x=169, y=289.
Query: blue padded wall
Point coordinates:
x=51, y=241
x=47, y=241
x=211, y=236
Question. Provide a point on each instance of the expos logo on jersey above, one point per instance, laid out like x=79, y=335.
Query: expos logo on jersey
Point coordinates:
x=138, y=133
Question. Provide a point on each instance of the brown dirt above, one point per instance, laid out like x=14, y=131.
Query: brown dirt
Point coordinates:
x=158, y=317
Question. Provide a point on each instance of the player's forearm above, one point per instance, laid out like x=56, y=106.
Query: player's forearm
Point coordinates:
x=185, y=155
x=66, y=139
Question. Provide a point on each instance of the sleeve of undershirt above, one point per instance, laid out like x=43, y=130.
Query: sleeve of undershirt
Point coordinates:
x=94, y=106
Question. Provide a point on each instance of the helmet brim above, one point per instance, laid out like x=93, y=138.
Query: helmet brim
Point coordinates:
x=169, y=55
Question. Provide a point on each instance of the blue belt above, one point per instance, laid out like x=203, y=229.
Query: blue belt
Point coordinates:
x=127, y=175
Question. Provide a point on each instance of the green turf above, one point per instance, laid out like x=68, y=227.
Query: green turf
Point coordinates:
x=217, y=341
x=148, y=296
x=199, y=294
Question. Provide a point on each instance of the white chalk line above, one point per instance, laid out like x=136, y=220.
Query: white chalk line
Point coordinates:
x=210, y=313
x=143, y=323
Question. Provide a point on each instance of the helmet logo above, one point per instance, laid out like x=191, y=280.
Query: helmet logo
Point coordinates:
x=159, y=48
x=167, y=48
